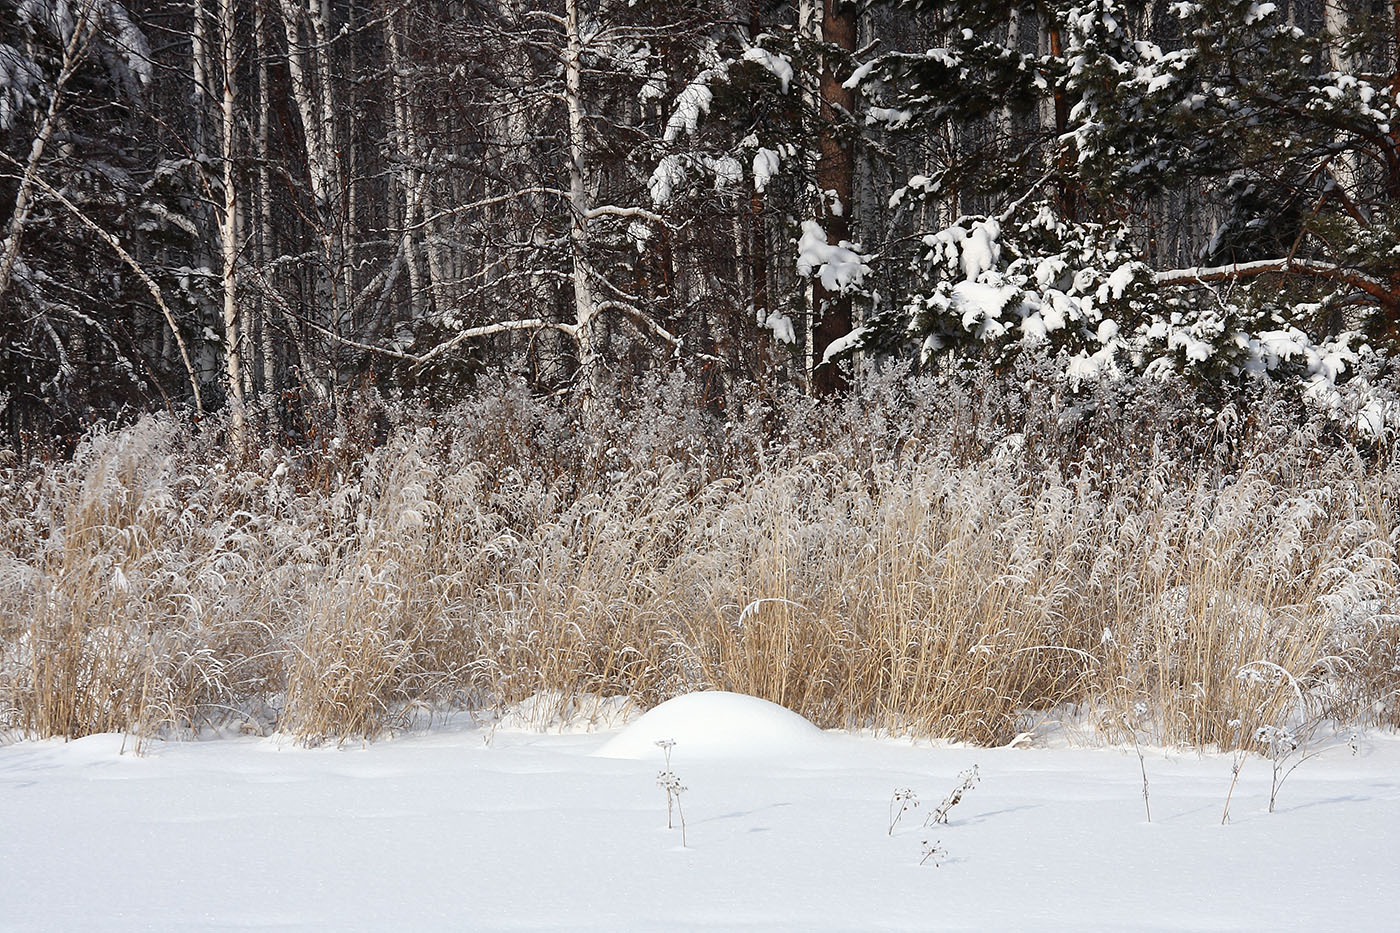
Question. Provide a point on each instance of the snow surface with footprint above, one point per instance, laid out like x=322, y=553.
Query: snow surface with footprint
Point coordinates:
x=468, y=828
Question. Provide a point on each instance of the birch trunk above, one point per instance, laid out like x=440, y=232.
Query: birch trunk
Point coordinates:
x=410, y=183
x=320, y=159
x=1336, y=24
x=271, y=381
x=1005, y=118
x=585, y=307
x=228, y=229
x=73, y=52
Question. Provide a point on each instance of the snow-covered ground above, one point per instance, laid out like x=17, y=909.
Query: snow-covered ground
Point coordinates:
x=462, y=828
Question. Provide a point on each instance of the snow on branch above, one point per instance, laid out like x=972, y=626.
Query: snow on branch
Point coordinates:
x=642, y=321
x=613, y=210
x=840, y=266
x=490, y=330
x=779, y=66
x=1244, y=270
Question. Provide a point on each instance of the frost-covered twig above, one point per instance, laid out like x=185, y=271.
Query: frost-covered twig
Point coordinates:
x=671, y=784
x=1235, y=765
x=1139, y=710
x=967, y=780
x=903, y=801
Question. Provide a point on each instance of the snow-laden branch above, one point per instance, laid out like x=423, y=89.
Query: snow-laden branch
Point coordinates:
x=642, y=321
x=1245, y=270
x=489, y=330
x=554, y=18
x=613, y=210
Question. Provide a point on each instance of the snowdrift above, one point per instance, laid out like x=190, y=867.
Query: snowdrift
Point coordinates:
x=717, y=724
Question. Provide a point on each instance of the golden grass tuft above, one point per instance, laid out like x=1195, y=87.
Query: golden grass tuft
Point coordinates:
x=863, y=567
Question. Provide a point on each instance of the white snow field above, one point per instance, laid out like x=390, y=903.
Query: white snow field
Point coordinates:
x=465, y=828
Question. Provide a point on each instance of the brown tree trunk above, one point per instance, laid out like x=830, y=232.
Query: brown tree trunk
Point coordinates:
x=835, y=177
x=1064, y=192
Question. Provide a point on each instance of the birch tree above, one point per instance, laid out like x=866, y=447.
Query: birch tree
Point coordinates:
x=229, y=244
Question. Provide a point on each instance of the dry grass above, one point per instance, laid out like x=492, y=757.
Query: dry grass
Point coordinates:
x=896, y=562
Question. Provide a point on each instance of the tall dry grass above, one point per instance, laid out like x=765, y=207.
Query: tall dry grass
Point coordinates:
x=936, y=557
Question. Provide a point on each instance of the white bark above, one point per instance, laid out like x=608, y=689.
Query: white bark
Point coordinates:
x=307, y=109
x=270, y=381
x=199, y=68
x=73, y=52
x=585, y=307
x=408, y=176
x=228, y=229
x=310, y=94
x=1005, y=119
x=1336, y=23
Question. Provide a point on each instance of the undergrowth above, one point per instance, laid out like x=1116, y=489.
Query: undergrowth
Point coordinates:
x=933, y=556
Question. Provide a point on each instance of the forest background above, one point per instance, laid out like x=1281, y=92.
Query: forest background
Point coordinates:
x=917, y=363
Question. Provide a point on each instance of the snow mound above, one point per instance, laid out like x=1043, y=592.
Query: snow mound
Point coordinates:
x=716, y=724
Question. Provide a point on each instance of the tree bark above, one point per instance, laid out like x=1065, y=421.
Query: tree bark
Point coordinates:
x=228, y=229
x=73, y=52
x=1336, y=24
x=271, y=378
x=836, y=179
x=585, y=306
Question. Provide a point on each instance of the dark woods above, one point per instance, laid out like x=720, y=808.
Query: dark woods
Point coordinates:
x=266, y=208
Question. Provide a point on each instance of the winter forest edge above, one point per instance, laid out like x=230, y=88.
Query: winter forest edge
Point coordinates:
x=913, y=365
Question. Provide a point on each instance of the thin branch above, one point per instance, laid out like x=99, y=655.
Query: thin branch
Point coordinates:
x=642, y=321
x=321, y=329
x=612, y=210
x=1245, y=270
x=484, y=202
x=488, y=330
x=135, y=267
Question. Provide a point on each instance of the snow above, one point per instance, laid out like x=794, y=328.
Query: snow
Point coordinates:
x=840, y=267
x=891, y=118
x=781, y=326
x=860, y=75
x=974, y=250
x=130, y=42
x=1090, y=367
x=1258, y=11
x=691, y=104
x=728, y=173
x=1118, y=281
x=20, y=81
x=1196, y=350
x=778, y=65
x=717, y=724
x=465, y=827
x=669, y=174
x=639, y=232
x=765, y=166
x=980, y=306
x=852, y=341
